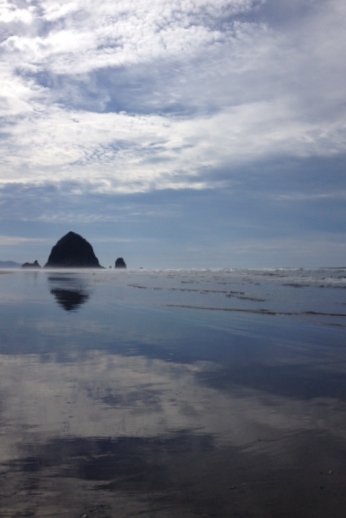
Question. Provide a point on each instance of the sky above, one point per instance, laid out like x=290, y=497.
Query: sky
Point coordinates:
x=175, y=134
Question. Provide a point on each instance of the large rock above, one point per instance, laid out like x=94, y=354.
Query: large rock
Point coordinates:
x=72, y=251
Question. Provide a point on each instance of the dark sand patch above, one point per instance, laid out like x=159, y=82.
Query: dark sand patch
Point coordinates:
x=258, y=311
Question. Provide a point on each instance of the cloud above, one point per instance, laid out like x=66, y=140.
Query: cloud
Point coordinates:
x=124, y=98
x=18, y=241
x=10, y=13
x=78, y=37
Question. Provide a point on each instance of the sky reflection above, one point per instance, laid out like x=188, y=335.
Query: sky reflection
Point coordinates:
x=190, y=416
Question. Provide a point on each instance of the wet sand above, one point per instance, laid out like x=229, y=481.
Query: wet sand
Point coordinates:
x=166, y=394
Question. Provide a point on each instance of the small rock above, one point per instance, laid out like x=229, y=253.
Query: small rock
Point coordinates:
x=120, y=263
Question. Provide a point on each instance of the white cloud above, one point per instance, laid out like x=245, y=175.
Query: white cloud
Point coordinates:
x=10, y=13
x=117, y=152
x=304, y=197
x=90, y=35
x=54, y=11
x=18, y=241
x=214, y=90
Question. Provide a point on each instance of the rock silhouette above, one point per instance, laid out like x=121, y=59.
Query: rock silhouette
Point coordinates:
x=120, y=263
x=72, y=251
x=35, y=264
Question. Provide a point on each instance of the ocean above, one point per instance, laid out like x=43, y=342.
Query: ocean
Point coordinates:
x=173, y=393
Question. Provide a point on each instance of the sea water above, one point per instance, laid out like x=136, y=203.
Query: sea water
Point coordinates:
x=173, y=393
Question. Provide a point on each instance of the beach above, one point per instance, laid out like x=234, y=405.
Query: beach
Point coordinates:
x=173, y=393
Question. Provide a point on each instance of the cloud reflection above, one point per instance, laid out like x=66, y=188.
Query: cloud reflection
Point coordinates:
x=137, y=411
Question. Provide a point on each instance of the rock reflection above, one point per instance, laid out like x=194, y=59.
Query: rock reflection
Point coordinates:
x=70, y=292
x=69, y=300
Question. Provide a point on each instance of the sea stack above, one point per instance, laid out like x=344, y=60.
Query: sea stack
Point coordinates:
x=72, y=251
x=35, y=264
x=120, y=263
